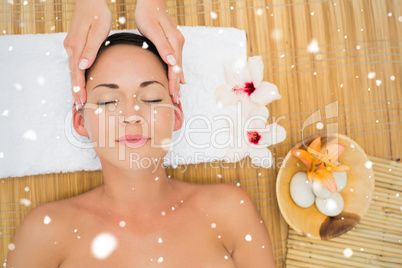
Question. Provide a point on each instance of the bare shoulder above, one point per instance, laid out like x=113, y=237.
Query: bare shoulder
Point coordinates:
x=249, y=239
x=220, y=199
x=38, y=239
x=225, y=196
x=229, y=203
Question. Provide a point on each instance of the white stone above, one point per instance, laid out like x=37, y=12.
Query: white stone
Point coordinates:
x=341, y=179
x=301, y=190
x=319, y=190
x=331, y=206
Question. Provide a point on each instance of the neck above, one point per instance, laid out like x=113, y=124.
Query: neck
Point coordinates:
x=132, y=192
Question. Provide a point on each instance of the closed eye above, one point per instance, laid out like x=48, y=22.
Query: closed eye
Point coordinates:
x=147, y=101
x=104, y=103
x=153, y=100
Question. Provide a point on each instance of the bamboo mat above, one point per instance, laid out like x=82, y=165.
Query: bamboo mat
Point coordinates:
x=374, y=242
x=355, y=38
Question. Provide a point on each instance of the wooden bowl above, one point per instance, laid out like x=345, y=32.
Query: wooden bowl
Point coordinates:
x=356, y=195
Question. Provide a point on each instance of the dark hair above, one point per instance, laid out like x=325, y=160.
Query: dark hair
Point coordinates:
x=130, y=39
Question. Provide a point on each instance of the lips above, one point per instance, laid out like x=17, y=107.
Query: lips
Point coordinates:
x=133, y=140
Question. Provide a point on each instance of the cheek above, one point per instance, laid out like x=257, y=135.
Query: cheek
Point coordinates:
x=163, y=116
x=95, y=122
x=163, y=120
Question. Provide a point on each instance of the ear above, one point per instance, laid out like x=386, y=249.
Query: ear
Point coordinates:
x=178, y=117
x=78, y=122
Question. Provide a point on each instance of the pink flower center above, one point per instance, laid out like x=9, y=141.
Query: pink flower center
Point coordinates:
x=253, y=137
x=247, y=88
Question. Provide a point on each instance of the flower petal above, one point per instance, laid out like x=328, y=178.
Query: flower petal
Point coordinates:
x=310, y=176
x=315, y=147
x=255, y=66
x=332, y=152
x=272, y=134
x=232, y=125
x=304, y=156
x=261, y=157
x=325, y=178
x=236, y=72
x=238, y=151
x=255, y=116
x=258, y=120
x=341, y=168
x=239, y=118
x=262, y=111
x=224, y=95
x=265, y=93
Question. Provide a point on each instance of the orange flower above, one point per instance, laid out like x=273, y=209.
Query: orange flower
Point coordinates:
x=321, y=162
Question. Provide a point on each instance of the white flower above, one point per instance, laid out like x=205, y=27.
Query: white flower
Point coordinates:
x=249, y=133
x=255, y=137
x=244, y=83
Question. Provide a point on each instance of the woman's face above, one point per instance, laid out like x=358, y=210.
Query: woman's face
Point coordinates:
x=128, y=83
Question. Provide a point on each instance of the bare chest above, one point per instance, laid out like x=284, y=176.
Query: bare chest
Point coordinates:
x=181, y=238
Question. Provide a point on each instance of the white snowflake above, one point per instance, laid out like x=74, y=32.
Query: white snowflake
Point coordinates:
x=30, y=135
x=248, y=237
x=213, y=15
x=103, y=245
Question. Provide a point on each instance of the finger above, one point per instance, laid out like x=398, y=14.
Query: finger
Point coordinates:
x=182, y=80
x=174, y=73
x=97, y=33
x=70, y=59
x=179, y=72
x=79, y=87
x=158, y=38
x=74, y=109
x=178, y=89
x=173, y=36
x=174, y=83
x=176, y=41
x=70, y=64
x=76, y=45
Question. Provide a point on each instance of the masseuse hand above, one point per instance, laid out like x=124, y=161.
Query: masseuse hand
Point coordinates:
x=154, y=23
x=90, y=25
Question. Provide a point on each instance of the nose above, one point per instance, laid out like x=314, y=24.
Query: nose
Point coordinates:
x=133, y=119
x=136, y=121
x=132, y=112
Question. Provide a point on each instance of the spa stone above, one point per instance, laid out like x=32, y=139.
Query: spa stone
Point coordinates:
x=301, y=190
x=331, y=206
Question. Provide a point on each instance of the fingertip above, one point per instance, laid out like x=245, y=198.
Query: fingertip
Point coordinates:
x=83, y=64
x=171, y=59
x=178, y=94
x=170, y=89
x=182, y=80
x=82, y=102
x=76, y=104
x=171, y=86
x=83, y=95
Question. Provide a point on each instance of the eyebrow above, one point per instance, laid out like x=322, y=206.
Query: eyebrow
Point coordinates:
x=142, y=85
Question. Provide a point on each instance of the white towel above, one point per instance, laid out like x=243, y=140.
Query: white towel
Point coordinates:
x=36, y=132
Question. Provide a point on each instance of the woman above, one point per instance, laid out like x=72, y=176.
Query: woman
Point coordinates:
x=148, y=218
